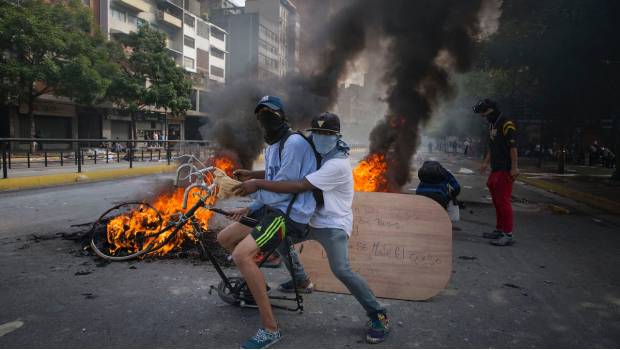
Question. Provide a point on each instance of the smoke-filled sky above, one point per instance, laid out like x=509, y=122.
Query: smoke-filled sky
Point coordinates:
x=424, y=43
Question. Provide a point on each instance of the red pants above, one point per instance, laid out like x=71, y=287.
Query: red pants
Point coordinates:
x=500, y=186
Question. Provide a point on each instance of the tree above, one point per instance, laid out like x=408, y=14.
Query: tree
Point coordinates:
x=149, y=76
x=567, y=50
x=49, y=48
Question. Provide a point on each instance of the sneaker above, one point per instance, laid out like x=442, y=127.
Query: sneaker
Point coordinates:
x=492, y=235
x=305, y=287
x=378, y=329
x=262, y=339
x=503, y=240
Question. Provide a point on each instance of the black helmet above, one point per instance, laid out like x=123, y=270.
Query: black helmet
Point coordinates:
x=484, y=105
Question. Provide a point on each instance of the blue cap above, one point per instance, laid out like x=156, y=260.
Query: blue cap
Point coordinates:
x=271, y=102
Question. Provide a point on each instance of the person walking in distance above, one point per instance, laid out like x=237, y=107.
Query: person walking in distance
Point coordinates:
x=502, y=156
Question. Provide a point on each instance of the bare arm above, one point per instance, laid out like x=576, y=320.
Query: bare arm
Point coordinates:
x=485, y=162
x=252, y=186
x=514, y=166
x=244, y=175
x=258, y=174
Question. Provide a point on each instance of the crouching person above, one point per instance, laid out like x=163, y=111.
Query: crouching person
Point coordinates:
x=332, y=222
x=437, y=183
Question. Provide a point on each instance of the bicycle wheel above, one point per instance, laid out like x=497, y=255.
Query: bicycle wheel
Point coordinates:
x=105, y=249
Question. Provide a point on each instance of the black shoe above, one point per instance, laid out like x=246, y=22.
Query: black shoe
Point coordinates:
x=492, y=235
x=504, y=240
x=305, y=287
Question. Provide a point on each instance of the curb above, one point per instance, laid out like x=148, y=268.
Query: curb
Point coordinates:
x=29, y=182
x=594, y=201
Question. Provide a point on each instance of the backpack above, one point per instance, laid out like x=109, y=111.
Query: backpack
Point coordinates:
x=432, y=173
x=316, y=193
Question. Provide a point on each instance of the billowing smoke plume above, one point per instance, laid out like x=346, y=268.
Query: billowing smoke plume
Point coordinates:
x=427, y=40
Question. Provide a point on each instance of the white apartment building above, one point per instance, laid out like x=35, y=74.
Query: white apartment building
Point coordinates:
x=195, y=44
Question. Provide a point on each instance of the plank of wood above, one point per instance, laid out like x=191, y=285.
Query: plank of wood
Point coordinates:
x=401, y=244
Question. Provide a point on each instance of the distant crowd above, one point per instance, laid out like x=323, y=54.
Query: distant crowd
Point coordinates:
x=593, y=155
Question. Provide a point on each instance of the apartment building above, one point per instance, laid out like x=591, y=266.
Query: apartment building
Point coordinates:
x=194, y=43
x=263, y=37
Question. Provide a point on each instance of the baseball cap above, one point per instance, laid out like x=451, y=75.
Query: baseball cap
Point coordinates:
x=483, y=105
x=327, y=121
x=271, y=102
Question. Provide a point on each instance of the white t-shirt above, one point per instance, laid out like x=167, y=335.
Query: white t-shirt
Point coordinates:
x=335, y=179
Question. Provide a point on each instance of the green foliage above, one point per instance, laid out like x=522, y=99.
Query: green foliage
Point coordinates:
x=51, y=44
x=149, y=76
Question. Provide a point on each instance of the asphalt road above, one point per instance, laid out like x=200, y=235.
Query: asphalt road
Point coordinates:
x=559, y=286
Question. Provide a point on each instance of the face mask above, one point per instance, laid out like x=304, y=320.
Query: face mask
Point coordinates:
x=324, y=143
x=274, y=126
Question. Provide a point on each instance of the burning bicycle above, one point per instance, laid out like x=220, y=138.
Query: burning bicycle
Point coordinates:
x=137, y=229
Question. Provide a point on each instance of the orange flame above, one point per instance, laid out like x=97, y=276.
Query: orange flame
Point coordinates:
x=224, y=163
x=138, y=229
x=370, y=174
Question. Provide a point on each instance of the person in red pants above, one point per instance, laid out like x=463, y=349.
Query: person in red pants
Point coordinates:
x=502, y=155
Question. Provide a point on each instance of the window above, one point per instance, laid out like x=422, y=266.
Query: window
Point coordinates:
x=267, y=62
x=189, y=41
x=217, y=71
x=202, y=59
x=118, y=15
x=268, y=47
x=268, y=33
x=217, y=53
x=218, y=34
x=190, y=20
x=192, y=98
x=203, y=29
x=202, y=101
x=188, y=62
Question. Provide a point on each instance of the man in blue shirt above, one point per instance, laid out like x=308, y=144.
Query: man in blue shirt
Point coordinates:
x=293, y=162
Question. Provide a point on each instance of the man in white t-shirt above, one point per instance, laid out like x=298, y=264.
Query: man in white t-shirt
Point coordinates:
x=332, y=222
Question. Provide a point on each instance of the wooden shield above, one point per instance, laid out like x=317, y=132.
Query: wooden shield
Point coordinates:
x=401, y=244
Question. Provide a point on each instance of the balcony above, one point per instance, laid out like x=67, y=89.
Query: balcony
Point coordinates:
x=169, y=19
x=177, y=3
x=137, y=5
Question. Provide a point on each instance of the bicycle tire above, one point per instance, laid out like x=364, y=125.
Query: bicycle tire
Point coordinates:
x=146, y=250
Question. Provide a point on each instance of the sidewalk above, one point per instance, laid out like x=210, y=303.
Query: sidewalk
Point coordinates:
x=53, y=176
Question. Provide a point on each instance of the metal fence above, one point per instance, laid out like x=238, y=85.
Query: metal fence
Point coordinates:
x=29, y=153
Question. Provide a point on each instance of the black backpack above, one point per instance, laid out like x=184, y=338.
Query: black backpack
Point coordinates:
x=316, y=193
x=433, y=173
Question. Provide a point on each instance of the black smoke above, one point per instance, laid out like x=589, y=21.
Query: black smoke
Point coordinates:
x=427, y=40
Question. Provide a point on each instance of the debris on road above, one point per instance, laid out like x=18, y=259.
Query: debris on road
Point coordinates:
x=465, y=171
x=465, y=257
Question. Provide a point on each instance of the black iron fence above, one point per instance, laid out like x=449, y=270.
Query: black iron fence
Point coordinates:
x=38, y=153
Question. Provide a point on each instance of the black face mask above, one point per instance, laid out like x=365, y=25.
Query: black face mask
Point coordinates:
x=274, y=126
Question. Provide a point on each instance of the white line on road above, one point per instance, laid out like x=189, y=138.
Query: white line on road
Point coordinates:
x=9, y=327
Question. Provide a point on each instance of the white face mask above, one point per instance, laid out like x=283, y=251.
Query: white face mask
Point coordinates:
x=324, y=143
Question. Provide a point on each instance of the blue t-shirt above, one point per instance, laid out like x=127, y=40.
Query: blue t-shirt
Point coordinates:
x=298, y=160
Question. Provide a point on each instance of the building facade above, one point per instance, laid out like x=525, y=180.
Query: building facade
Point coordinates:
x=263, y=37
x=194, y=43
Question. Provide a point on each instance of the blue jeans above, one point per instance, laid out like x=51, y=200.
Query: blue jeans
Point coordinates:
x=336, y=245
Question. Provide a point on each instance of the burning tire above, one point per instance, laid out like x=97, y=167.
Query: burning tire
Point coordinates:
x=100, y=242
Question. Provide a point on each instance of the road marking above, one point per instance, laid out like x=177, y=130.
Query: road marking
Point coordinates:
x=9, y=327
